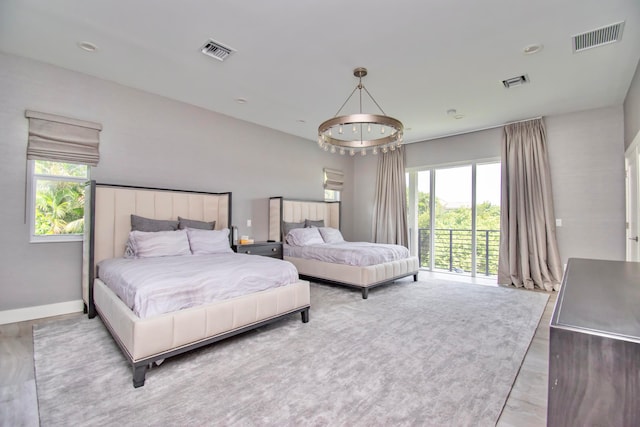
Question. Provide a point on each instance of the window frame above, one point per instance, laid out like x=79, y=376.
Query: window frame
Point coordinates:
x=32, y=184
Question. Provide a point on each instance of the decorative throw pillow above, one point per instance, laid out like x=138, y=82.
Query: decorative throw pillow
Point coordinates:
x=205, y=242
x=314, y=223
x=304, y=237
x=140, y=223
x=144, y=244
x=288, y=226
x=194, y=223
x=331, y=235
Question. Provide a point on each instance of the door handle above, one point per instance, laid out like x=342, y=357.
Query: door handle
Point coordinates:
x=634, y=238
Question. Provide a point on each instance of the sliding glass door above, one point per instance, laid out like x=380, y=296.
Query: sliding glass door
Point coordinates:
x=454, y=217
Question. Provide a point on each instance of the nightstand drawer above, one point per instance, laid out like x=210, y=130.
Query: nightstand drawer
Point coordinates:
x=270, y=249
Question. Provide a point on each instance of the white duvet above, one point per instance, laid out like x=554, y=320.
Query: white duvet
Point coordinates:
x=350, y=253
x=153, y=286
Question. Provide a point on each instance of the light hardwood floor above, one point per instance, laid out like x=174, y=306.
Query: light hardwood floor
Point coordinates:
x=525, y=407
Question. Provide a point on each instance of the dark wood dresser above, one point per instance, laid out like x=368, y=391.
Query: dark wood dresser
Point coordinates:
x=270, y=249
x=594, y=347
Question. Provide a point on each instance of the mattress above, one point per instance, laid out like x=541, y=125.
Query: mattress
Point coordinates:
x=360, y=254
x=154, y=286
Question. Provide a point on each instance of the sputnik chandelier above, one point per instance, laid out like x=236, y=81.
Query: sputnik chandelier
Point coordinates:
x=357, y=132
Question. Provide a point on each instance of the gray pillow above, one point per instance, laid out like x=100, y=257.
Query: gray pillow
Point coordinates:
x=312, y=223
x=288, y=226
x=194, y=223
x=140, y=223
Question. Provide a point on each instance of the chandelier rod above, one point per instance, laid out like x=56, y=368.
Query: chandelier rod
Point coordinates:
x=347, y=100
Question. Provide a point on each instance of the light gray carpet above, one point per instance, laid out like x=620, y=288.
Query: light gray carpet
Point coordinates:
x=414, y=353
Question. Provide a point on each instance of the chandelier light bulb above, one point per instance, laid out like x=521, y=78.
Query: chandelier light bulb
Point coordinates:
x=375, y=150
x=326, y=147
x=333, y=149
x=392, y=147
x=340, y=130
x=354, y=129
x=369, y=128
x=363, y=152
x=384, y=149
x=342, y=151
x=352, y=152
x=382, y=130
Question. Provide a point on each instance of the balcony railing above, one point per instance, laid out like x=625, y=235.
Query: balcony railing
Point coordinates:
x=453, y=250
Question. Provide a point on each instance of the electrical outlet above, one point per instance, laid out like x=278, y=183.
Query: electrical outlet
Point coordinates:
x=558, y=222
x=248, y=223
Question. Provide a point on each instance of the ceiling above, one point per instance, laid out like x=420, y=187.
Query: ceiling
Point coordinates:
x=293, y=61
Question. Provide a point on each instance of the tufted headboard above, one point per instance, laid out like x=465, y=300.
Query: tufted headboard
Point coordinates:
x=291, y=210
x=108, y=210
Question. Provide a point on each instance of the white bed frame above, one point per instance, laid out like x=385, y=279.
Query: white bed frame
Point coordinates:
x=144, y=341
x=363, y=278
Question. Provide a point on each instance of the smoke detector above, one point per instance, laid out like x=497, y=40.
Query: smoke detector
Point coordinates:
x=216, y=50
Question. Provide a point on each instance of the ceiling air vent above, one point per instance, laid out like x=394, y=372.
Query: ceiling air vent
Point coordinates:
x=216, y=50
x=515, y=81
x=598, y=37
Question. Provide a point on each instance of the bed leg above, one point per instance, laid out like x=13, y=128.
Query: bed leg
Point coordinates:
x=139, y=373
x=305, y=315
x=415, y=277
x=365, y=293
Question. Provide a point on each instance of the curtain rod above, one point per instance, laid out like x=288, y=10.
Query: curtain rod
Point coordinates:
x=473, y=130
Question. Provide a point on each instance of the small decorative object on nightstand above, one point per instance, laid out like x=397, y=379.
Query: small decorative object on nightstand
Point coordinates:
x=270, y=249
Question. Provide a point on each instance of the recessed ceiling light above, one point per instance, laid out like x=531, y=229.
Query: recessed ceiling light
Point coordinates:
x=532, y=48
x=301, y=121
x=452, y=112
x=88, y=46
x=241, y=100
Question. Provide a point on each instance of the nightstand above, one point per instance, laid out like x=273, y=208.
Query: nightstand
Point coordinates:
x=270, y=249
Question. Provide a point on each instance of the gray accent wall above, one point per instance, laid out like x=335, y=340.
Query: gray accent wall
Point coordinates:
x=586, y=153
x=147, y=140
x=632, y=110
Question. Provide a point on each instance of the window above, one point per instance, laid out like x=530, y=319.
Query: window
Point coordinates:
x=333, y=181
x=56, y=200
x=454, y=217
x=60, y=151
x=331, y=195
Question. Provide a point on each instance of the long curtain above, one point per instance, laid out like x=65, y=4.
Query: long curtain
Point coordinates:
x=529, y=254
x=390, y=208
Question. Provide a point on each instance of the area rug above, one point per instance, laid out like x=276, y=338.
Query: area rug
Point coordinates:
x=427, y=353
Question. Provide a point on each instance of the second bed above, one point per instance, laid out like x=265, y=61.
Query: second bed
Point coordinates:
x=359, y=265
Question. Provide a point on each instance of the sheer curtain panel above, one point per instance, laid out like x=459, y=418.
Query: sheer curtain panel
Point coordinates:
x=528, y=246
x=390, y=208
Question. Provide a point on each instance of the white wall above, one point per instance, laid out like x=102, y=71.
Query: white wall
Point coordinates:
x=632, y=109
x=586, y=153
x=146, y=140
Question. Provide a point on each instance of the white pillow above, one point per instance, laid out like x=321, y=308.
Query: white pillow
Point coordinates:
x=304, y=237
x=147, y=244
x=331, y=235
x=204, y=242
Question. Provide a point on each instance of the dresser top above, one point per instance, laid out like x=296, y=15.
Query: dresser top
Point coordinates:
x=600, y=297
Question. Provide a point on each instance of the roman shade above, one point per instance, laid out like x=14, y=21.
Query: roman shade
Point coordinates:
x=62, y=139
x=333, y=179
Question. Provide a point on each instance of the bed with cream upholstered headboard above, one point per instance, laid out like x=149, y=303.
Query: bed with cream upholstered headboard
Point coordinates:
x=283, y=211
x=146, y=340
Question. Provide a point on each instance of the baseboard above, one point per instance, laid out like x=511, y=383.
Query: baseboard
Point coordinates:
x=40, y=311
